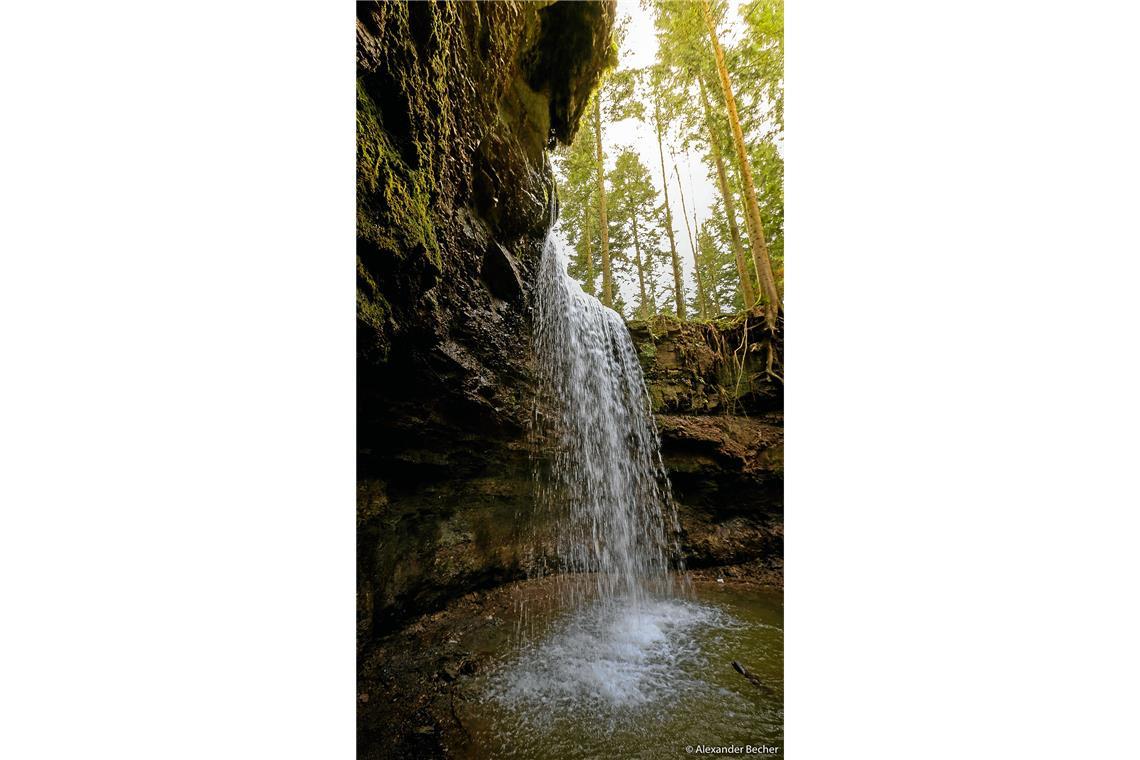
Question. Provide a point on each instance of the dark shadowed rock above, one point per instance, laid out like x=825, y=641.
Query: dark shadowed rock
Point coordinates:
x=502, y=274
x=456, y=105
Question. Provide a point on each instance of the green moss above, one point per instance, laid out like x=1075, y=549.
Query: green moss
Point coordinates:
x=729, y=322
x=371, y=306
x=394, y=201
x=647, y=352
x=773, y=458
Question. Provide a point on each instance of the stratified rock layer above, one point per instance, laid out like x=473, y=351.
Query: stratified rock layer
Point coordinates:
x=719, y=402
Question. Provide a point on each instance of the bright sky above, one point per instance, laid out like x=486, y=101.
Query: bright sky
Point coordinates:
x=700, y=189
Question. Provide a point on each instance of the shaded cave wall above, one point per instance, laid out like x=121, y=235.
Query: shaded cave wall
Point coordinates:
x=457, y=104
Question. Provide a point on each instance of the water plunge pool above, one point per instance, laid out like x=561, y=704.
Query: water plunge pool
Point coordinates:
x=613, y=680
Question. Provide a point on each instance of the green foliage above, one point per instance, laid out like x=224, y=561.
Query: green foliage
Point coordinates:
x=577, y=195
x=760, y=59
x=721, y=276
x=620, y=100
x=633, y=195
x=636, y=223
x=768, y=173
x=755, y=67
x=666, y=96
x=681, y=37
x=718, y=272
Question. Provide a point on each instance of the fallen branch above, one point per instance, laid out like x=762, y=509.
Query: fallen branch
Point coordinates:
x=752, y=677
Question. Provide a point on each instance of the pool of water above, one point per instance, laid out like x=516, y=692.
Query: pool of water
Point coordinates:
x=629, y=681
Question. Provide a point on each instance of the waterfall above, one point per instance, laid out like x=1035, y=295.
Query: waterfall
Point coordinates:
x=600, y=481
x=623, y=663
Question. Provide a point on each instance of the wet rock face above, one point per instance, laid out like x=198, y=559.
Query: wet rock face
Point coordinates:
x=457, y=103
x=719, y=411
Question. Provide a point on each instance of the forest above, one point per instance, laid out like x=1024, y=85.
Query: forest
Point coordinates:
x=707, y=110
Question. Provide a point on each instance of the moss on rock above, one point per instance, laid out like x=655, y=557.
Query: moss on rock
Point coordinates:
x=394, y=211
x=703, y=368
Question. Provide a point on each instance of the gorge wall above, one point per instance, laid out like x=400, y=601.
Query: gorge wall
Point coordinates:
x=457, y=104
x=718, y=398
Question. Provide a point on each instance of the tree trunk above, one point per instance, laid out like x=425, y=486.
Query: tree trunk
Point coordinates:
x=702, y=299
x=589, y=253
x=640, y=270
x=759, y=246
x=734, y=181
x=746, y=291
x=678, y=286
x=604, y=225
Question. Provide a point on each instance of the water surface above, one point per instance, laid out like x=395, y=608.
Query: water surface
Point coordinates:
x=647, y=680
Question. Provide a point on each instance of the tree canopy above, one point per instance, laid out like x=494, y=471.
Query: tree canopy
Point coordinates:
x=652, y=231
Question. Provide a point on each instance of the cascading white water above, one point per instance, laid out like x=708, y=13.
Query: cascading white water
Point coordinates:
x=600, y=480
x=626, y=664
x=627, y=668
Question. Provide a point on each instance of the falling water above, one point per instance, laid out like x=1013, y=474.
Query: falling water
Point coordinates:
x=627, y=663
x=600, y=479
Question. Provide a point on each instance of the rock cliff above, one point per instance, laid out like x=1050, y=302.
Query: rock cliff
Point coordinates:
x=718, y=397
x=457, y=104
